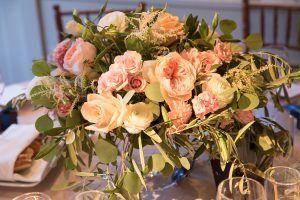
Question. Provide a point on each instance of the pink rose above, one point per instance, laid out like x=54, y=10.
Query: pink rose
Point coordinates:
x=244, y=116
x=180, y=113
x=205, y=103
x=114, y=79
x=207, y=60
x=131, y=60
x=192, y=55
x=136, y=83
x=60, y=51
x=223, y=51
x=79, y=57
x=176, y=76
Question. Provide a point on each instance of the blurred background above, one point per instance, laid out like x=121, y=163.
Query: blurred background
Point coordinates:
x=29, y=29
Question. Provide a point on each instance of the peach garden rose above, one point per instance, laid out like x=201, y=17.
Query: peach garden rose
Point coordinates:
x=205, y=103
x=79, y=57
x=180, y=113
x=176, y=76
x=105, y=111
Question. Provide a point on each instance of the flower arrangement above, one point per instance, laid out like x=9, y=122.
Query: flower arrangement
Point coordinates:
x=146, y=78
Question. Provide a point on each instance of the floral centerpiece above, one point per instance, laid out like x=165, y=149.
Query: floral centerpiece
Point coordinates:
x=146, y=78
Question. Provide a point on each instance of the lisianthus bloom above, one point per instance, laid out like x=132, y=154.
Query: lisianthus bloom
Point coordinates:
x=136, y=83
x=60, y=51
x=64, y=109
x=205, y=103
x=79, y=57
x=114, y=79
x=165, y=30
x=105, y=111
x=74, y=28
x=139, y=117
x=131, y=61
x=176, y=76
x=116, y=18
x=217, y=85
x=243, y=116
x=180, y=113
x=223, y=51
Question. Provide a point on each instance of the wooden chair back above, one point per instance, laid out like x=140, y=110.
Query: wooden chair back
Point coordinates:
x=59, y=14
x=289, y=9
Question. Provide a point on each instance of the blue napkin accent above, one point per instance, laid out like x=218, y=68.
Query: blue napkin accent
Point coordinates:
x=294, y=110
x=8, y=116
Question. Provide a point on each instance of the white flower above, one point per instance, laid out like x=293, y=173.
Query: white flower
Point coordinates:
x=139, y=117
x=74, y=28
x=35, y=82
x=217, y=85
x=117, y=18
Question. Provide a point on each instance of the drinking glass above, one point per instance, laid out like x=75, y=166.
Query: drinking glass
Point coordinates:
x=33, y=196
x=282, y=183
x=2, y=85
x=91, y=195
x=240, y=188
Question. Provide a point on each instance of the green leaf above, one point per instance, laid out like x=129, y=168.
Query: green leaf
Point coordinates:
x=142, y=157
x=66, y=186
x=242, y=131
x=105, y=151
x=137, y=170
x=168, y=170
x=156, y=163
x=199, y=151
x=132, y=183
x=73, y=119
x=42, y=96
x=70, y=137
x=72, y=153
x=153, y=135
x=265, y=142
x=254, y=41
x=203, y=29
x=134, y=44
x=163, y=153
x=185, y=163
x=43, y=123
x=164, y=113
x=154, y=106
x=153, y=93
x=54, y=131
x=248, y=101
x=46, y=149
x=227, y=26
x=87, y=174
x=41, y=68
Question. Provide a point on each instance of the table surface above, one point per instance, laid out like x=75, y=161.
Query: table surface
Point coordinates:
x=198, y=185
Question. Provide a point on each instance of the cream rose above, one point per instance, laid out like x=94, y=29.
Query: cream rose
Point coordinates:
x=74, y=28
x=176, y=76
x=149, y=70
x=79, y=57
x=105, y=111
x=217, y=85
x=117, y=18
x=139, y=117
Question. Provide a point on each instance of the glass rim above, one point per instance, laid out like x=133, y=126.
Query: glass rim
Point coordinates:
x=32, y=193
x=239, y=178
x=267, y=178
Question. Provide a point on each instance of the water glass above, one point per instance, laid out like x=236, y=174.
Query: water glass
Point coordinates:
x=282, y=183
x=238, y=188
x=2, y=85
x=33, y=196
x=91, y=195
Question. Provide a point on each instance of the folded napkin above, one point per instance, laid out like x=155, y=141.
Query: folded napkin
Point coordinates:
x=12, y=142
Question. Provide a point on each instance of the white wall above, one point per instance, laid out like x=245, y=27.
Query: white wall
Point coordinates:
x=20, y=41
